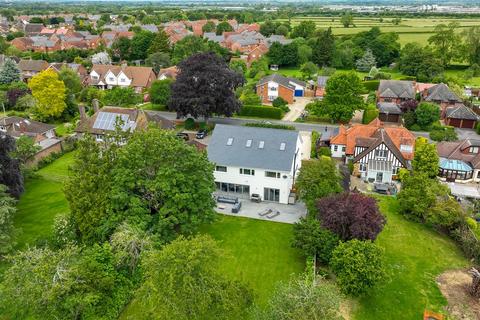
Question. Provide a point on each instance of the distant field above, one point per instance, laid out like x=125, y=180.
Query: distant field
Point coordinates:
x=409, y=30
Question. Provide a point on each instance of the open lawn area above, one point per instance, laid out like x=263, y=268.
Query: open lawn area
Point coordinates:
x=42, y=200
x=415, y=256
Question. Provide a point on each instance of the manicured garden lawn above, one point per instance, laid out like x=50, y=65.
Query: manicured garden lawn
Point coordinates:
x=42, y=200
x=415, y=256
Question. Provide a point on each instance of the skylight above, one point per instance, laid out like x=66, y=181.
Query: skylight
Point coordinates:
x=261, y=144
x=249, y=143
x=282, y=146
x=229, y=141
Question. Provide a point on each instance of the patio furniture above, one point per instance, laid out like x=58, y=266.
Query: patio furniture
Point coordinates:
x=221, y=207
x=226, y=199
x=265, y=212
x=236, y=207
x=273, y=214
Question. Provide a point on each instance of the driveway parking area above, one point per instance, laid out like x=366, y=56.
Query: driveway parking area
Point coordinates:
x=289, y=213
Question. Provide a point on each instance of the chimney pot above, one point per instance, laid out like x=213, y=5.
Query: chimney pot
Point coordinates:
x=81, y=109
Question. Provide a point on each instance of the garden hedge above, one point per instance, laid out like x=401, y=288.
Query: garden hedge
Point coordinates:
x=261, y=112
x=371, y=85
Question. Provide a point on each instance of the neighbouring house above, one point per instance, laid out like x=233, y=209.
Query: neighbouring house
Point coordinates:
x=442, y=95
x=389, y=112
x=396, y=91
x=378, y=152
x=32, y=29
x=106, y=76
x=78, y=68
x=168, y=73
x=321, y=85
x=104, y=120
x=29, y=68
x=273, y=86
x=259, y=161
x=461, y=116
x=459, y=160
x=42, y=134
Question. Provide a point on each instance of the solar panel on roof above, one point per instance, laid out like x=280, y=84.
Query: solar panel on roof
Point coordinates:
x=107, y=120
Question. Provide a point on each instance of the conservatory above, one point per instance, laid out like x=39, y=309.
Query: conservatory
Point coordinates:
x=452, y=170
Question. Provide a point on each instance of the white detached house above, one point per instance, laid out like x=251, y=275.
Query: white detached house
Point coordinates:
x=255, y=161
x=109, y=76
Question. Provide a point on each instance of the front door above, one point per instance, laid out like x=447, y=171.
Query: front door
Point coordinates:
x=270, y=194
x=379, y=177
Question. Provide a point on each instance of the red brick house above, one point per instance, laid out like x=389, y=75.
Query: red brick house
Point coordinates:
x=396, y=91
x=273, y=86
x=442, y=95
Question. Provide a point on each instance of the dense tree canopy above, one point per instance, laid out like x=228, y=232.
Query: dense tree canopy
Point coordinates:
x=7, y=229
x=222, y=27
x=305, y=29
x=445, y=42
x=160, y=91
x=183, y=281
x=10, y=174
x=9, y=72
x=358, y=265
x=324, y=48
x=50, y=93
x=317, y=179
x=351, y=216
x=426, y=159
x=419, y=62
x=205, y=85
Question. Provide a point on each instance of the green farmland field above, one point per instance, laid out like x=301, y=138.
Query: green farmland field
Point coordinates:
x=409, y=30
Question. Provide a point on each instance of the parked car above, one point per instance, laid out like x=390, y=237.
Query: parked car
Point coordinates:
x=236, y=207
x=183, y=135
x=202, y=133
x=255, y=197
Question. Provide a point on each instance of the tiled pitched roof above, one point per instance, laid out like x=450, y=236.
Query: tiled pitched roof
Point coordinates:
x=32, y=65
x=461, y=112
x=396, y=89
x=140, y=76
x=363, y=134
x=458, y=150
x=284, y=81
x=441, y=92
x=24, y=126
x=388, y=107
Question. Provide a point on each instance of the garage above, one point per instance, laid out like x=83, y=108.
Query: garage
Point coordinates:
x=298, y=93
x=461, y=117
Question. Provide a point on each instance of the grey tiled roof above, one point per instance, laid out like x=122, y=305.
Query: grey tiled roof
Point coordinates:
x=396, y=89
x=212, y=36
x=278, y=38
x=270, y=157
x=461, y=112
x=388, y=107
x=441, y=92
x=284, y=81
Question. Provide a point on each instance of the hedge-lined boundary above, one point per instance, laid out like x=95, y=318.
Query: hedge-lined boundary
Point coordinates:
x=261, y=112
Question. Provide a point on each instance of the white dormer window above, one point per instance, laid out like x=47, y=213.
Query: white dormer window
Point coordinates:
x=473, y=149
x=282, y=146
x=122, y=79
x=261, y=144
x=95, y=77
x=229, y=141
x=111, y=79
x=406, y=148
x=249, y=143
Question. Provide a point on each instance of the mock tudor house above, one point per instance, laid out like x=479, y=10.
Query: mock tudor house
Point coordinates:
x=104, y=120
x=396, y=91
x=273, y=86
x=109, y=76
x=377, y=151
x=459, y=160
x=259, y=161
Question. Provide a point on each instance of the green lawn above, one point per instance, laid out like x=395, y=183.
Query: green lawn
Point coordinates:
x=257, y=252
x=42, y=200
x=415, y=256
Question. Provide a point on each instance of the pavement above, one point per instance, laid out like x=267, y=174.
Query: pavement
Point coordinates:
x=299, y=126
x=297, y=108
x=307, y=144
x=289, y=213
x=464, y=190
x=466, y=134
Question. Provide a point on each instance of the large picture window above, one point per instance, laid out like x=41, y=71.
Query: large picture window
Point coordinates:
x=248, y=172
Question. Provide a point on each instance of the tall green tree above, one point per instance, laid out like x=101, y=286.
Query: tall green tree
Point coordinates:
x=50, y=93
x=73, y=86
x=9, y=72
x=158, y=61
x=222, y=27
x=346, y=19
x=426, y=114
x=324, y=48
x=183, y=281
x=366, y=62
x=160, y=43
x=305, y=29
x=317, y=179
x=472, y=44
x=209, y=27
x=426, y=159
x=343, y=96
x=26, y=149
x=160, y=91
x=122, y=49
x=187, y=47
x=420, y=62
x=140, y=45
x=7, y=229
x=446, y=42
x=358, y=265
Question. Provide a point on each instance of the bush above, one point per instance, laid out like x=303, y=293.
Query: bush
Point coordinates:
x=261, y=112
x=468, y=242
x=279, y=102
x=358, y=266
x=472, y=223
x=383, y=76
x=351, y=216
x=477, y=128
x=409, y=78
x=313, y=151
x=371, y=85
x=160, y=91
x=312, y=239
x=189, y=124
x=415, y=127
x=444, y=134
x=370, y=113
x=427, y=114
x=324, y=152
x=269, y=125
